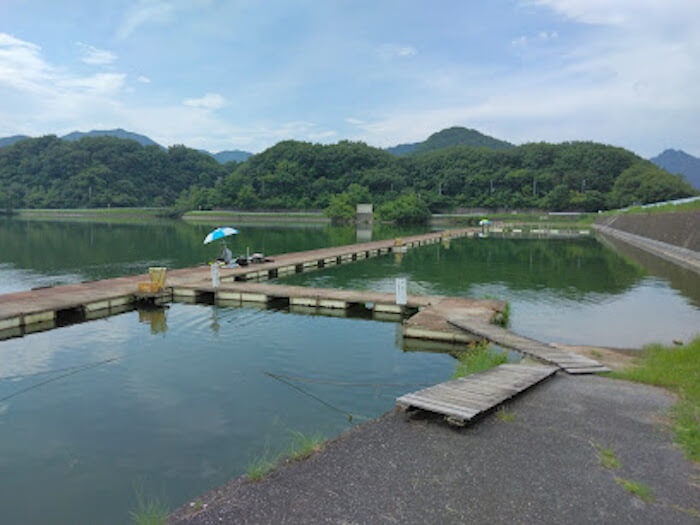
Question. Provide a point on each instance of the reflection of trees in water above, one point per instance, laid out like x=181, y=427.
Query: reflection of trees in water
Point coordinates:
x=104, y=249
x=682, y=279
x=569, y=267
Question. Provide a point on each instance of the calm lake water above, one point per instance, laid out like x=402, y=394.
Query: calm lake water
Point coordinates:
x=180, y=400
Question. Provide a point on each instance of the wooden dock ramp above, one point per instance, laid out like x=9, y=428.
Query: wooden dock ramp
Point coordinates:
x=569, y=361
x=463, y=399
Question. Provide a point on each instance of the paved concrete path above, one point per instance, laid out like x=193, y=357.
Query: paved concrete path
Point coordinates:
x=543, y=467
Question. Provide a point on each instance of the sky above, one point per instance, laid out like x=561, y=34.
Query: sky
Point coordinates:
x=245, y=74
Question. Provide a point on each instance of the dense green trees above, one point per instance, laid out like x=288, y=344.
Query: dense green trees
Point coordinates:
x=107, y=171
x=405, y=209
x=48, y=172
x=342, y=206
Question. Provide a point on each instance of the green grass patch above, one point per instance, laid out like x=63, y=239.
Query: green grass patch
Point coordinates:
x=260, y=467
x=678, y=369
x=255, y=214
x=149, y=510
x=686, y=206
x=481, y=358
x=503, y=318
x=608, y=459
x=638, y=489
x=504, y=415
x=304, y=445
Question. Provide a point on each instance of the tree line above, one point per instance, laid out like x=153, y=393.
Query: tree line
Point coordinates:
x=105, y=171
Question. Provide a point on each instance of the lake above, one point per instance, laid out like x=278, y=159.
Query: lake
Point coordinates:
x=175, y=401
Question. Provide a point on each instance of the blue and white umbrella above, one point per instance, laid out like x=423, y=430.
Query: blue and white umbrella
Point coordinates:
x=219, y=233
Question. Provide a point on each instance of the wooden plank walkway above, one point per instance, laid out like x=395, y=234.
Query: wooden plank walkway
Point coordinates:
x=569, y=361
x=21, y=309
x=468, y=397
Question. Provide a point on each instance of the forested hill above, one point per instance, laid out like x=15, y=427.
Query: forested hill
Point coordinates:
x=118, y=133
x=48, y=172
x=455, y=136
x=107, y=171
x=576, y=175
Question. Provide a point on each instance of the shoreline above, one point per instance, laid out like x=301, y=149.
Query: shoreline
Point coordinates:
x=418, y=469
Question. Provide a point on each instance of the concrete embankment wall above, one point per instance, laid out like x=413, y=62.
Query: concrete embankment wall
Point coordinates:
x=672, y=236
x=677, y=228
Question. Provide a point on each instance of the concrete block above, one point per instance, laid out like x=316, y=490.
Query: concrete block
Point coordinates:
x=388, y=308
x=96, y=305
x=331, y=303
x=10, y=322
x=119, y=301
x=40, y=317
x=40, y=326
x=226, y=295
x=184, y=292
x=302, y=301
x=253, y=297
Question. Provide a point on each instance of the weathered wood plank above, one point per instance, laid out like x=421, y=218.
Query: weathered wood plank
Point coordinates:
x=569, y=361
x=467, y=397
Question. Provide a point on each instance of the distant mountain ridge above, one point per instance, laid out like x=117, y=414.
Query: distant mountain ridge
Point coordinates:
x=225, y=156
x=9, y=141
x=454, y=136
x=119, y=133
x=678, y=161
x=222, y=157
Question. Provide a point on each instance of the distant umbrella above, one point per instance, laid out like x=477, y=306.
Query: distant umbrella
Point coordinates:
x=482, y=222
x=219, y=233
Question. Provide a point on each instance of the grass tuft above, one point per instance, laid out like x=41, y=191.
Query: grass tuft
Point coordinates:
x=503, y=415
x=503, y=318
x=608, y=459
x=481, y=358
x=305, y=445
x=678, y=369
x=149, y=510
x=259, y=468
x=638, y=489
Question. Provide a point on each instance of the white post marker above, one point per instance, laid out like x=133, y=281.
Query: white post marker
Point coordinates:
x=215, y=275
x=401, y=291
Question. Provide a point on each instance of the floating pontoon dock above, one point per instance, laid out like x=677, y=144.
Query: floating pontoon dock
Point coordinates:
x=452, y=320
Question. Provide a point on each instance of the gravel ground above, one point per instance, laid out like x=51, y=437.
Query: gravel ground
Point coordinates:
x=542, y=467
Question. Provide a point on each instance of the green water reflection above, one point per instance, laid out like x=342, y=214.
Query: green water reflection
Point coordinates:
x=184, y=398
x=575, y=291
x=42, y=253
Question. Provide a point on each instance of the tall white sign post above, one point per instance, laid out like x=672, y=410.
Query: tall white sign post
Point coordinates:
x=215, y=275
x=401, y=291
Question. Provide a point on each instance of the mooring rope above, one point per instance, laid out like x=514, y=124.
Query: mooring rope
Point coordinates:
x=342, y=383
x=282, y=379
x=42, y=383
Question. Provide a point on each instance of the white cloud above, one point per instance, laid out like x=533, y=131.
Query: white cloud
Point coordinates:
x=45, y=97
x=354, y=121
x=143, y=79
x=145, y=11
x=102, y=83
x=208, y=101
x=624, y=12
x=7, y=40
x=542, y=36
x=389, y=51
x=158, y=12
x=21, y=64
x=322, y=135
x=95, y=56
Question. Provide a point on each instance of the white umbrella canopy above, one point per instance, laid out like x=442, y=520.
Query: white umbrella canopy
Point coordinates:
x=219, y=233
